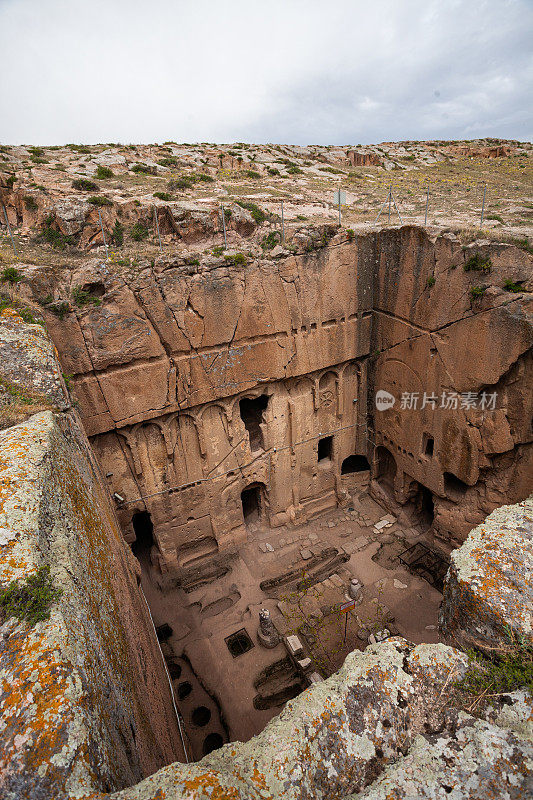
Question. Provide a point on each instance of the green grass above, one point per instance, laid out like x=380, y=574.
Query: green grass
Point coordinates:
x=84, y=185
x=31, y=599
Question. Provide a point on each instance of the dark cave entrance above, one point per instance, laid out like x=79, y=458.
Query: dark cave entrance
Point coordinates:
x=251, y=503
x=252, y=414
x=354, y=463
x=144, y=533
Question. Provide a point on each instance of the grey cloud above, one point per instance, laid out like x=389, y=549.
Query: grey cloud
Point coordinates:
x=287, y=71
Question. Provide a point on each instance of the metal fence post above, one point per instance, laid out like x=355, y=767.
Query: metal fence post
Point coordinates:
x=103, y=235
x=9, y=230
x=157, y=228
x=390, y=198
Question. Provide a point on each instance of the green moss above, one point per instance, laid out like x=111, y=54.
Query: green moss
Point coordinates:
x=237, y=258
x=430, y=281
x=30, y=600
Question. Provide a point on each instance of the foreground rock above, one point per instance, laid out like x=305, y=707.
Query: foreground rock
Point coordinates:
x=488, y=598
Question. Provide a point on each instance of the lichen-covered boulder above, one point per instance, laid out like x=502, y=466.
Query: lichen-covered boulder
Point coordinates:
x=488, y=592
x=471, y=759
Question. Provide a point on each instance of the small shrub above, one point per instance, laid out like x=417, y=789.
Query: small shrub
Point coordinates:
x=84, y=185
x=103, y=172
x=117, y=234
x=30, y=600
x=142, y=169
x=11, y=275
x=257, y=213
x=36, y=151
x=98, y=200
x=270, y=240
x=301, y=217
x=295, y=170
x=217, y=250
x=83, y=298
x=508, y=669
x=38, y=160
x=332, y=170
x=477, y=291
x=511, y=286
x=350, y=234
x=30, y=203
x=80, y=148
x=237, y=258
x=251, y=173
x=11, y=181
x=163, y=196
x=273, y=171
x=169, y=161
x=139, y=232
x=478, y=263
x=496, y=217
x=183, y=182
x=202, y=177
x=430, y=281
x=59, y=309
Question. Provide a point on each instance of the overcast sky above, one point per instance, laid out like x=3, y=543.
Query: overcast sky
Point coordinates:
x=296, y=71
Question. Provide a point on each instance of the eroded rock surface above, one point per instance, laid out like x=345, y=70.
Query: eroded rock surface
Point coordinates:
x=488, y=598
x=85, y=703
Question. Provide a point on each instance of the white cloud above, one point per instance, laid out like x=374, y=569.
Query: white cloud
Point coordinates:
x=288, y=70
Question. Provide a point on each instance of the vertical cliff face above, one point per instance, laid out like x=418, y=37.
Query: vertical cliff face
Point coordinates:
x=454, y=349
x=85, y=702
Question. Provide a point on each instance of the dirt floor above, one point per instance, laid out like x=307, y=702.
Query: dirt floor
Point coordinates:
x=302, y=576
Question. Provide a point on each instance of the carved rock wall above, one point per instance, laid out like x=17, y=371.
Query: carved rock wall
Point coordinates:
x=161, y=366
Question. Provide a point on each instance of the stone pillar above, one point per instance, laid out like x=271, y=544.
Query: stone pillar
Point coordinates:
x=266, y=633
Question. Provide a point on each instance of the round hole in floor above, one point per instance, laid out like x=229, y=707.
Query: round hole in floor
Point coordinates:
x=212, y=742
x=201, y=716
x=184, y=690
x=174, y=671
